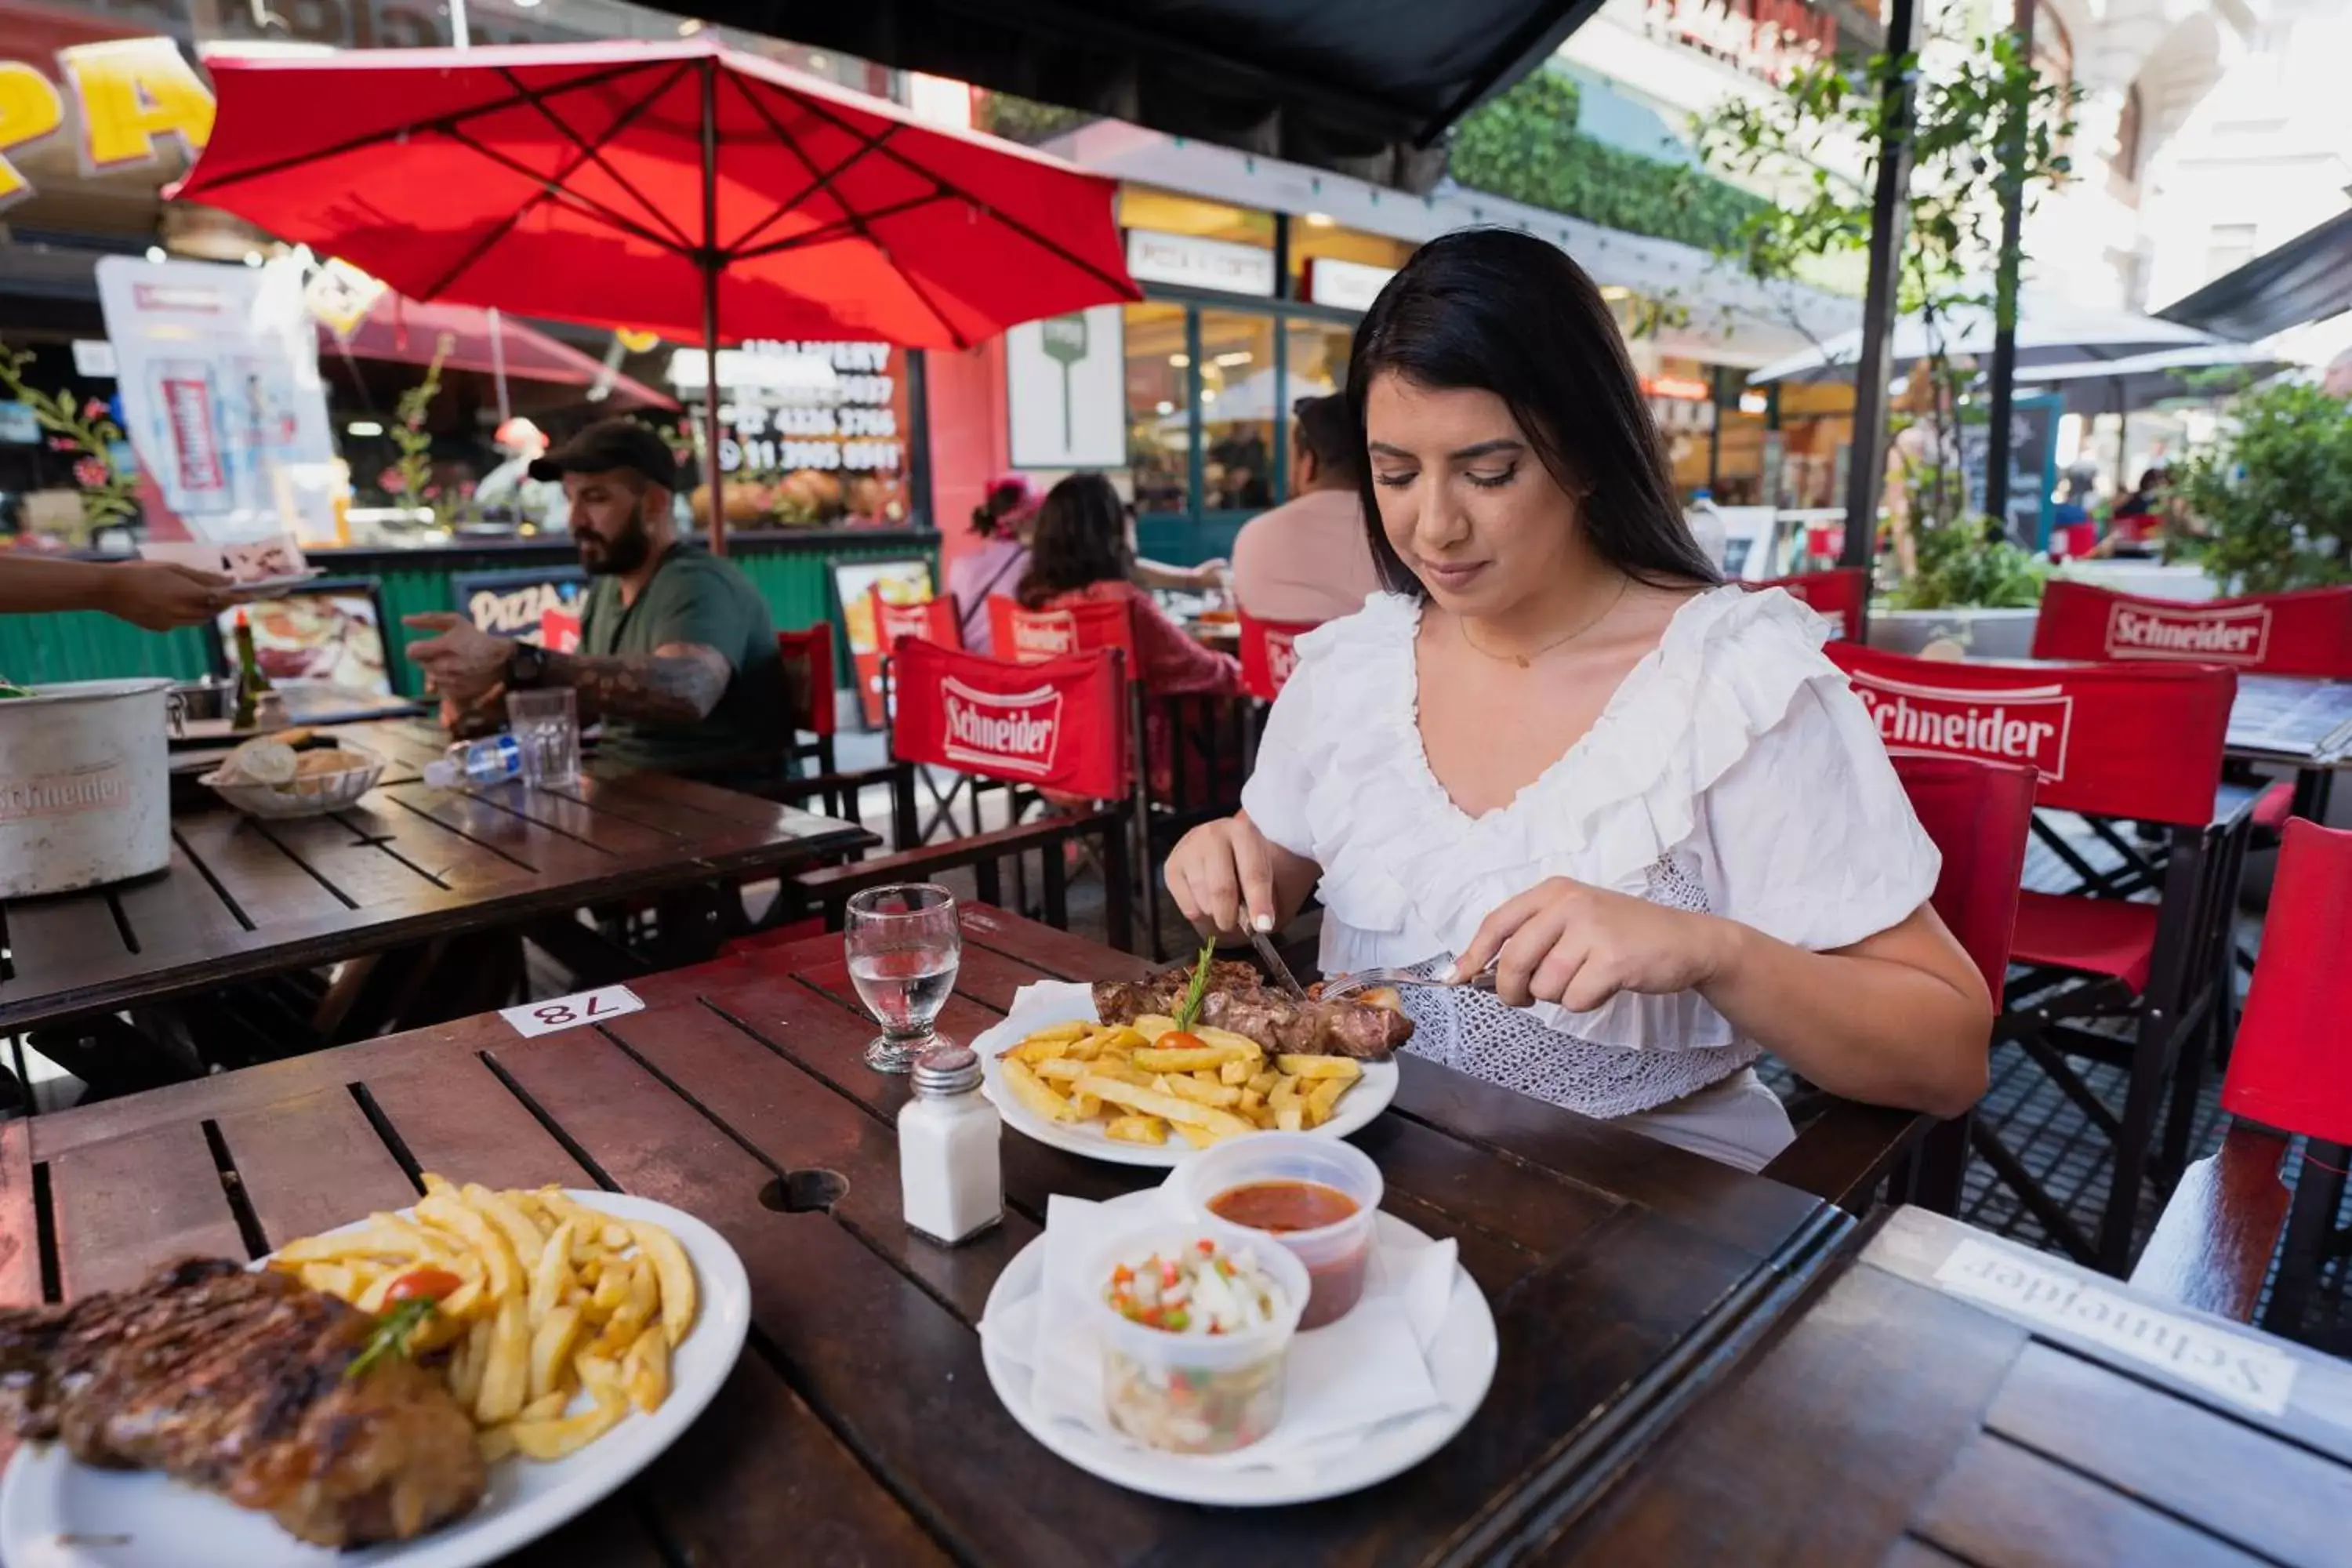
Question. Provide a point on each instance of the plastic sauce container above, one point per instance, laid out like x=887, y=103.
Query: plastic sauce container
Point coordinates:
x=1195, y=1393
x=1336, y=1255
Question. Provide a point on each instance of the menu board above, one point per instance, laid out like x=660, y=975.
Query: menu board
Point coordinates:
x=331, y=631
x=515, y=603
x=809, y=431
x=902, y=583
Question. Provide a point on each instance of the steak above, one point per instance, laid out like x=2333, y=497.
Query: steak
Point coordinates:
x=237, y=1382
x=1239, y=1000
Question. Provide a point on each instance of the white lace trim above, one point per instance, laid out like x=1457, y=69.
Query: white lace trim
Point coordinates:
x=1473, y=1033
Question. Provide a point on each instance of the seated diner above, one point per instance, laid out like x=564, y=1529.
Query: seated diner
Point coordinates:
x=678, y=654
x=1557, y=748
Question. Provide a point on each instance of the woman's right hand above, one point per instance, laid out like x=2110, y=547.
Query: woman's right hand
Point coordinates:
x=1221, y=874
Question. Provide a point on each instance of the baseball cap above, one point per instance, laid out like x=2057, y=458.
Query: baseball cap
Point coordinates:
x=611, y=444
x=1019, y=493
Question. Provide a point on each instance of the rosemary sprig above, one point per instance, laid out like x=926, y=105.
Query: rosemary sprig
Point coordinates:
x=392, y=1333
x=1198, y=990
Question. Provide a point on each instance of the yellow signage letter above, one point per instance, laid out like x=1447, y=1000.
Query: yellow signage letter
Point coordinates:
x=29, y=109
x=134, y=91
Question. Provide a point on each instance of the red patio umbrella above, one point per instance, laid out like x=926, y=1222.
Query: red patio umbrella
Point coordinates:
x=682, y=187
x=409, y=332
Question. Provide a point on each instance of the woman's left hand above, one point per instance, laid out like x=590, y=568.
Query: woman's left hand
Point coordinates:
x=1563, y=941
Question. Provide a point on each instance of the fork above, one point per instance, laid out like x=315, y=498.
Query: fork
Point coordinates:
x=1349, y=986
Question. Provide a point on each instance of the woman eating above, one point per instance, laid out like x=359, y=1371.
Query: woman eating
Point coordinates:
x=1079, y=552
x=1556, y=747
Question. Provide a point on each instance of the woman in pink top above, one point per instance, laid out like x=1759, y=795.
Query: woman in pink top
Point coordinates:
x=1079, y=552
x=993, y=565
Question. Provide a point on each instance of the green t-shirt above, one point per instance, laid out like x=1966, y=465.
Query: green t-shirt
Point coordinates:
x=696, y=597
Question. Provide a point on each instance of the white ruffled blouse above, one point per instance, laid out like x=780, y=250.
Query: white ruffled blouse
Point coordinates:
x=1733, y=770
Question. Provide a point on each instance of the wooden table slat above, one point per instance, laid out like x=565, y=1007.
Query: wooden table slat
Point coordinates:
x=500, y=833
x=2233, y=1480
x=126, y=1206
x=269, y=884
x=311, y=1163
x=20, y=1256
x=2003, y=1507
x=176, y=911
x=459, y=1120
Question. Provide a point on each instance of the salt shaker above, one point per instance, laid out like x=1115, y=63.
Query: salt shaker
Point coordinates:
x=950, y=1181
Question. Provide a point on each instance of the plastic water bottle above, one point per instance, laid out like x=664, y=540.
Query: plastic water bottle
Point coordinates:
x=493, y=759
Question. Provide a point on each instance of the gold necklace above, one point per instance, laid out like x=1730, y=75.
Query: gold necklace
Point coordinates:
x=1526, y=660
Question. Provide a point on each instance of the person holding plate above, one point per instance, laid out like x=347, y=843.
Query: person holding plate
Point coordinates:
x=1558, y=747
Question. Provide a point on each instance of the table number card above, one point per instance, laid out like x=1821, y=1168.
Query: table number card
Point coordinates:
x=571, y=1012
x=2235, y=1367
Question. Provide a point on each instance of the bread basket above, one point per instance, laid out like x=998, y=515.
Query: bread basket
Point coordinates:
x=311, y=795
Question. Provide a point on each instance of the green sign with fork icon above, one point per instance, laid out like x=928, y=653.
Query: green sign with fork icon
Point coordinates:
x=1063, y=340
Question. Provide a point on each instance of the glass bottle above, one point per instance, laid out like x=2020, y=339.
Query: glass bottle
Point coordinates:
x=252, y=685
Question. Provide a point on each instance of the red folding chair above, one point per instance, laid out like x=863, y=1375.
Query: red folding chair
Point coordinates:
x=1193, y=745
x=809, y=688
x=1268, y=654
x=933, y=621
x=1839, y=594
x=2290, y=1076
x=1021, y=633
x=1977, y=813
x=2307, y=633
x=2130, y=742
x=1052, y=725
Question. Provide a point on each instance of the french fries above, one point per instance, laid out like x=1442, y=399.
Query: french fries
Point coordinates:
x=565, y=1317
x=1119, y=1080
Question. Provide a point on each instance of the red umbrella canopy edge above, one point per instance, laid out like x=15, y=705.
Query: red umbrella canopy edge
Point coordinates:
x=605, y=183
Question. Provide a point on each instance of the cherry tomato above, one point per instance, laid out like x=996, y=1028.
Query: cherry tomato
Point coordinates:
x=1177, y=1040
x=429, y=1283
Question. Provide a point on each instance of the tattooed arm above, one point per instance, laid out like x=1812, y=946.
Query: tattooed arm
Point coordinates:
x=677, y=683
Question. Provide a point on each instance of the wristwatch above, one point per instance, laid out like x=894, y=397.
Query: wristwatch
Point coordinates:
x=526, y=666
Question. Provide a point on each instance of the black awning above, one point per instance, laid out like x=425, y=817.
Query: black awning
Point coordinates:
x=2308, y=278
x=1365, y=87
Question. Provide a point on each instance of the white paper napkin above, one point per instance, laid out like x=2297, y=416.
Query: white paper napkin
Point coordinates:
x=1368, y=1369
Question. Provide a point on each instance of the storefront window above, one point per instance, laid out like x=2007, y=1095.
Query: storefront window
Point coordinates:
x=1164, y=211
x=1318, y=360
x=1343, y=267
x=1159, y=408
x=1238, y=410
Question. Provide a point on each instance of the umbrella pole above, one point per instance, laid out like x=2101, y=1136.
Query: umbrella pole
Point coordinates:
x=711, y=302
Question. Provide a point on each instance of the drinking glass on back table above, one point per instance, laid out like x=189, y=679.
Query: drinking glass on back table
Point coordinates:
x=904, y=945
x=546, y=727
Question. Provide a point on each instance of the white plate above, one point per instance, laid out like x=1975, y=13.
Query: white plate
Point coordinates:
x=1357, y=1107
x=1461, y=1364
x=56, y=1512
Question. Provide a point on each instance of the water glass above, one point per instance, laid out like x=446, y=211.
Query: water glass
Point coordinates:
x=546, y=728
x=904, y=945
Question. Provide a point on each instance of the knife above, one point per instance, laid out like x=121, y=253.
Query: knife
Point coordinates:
x=1275, y=967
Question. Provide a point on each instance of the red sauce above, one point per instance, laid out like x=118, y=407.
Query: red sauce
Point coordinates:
x=1334, y=1283
x=1279, y=1207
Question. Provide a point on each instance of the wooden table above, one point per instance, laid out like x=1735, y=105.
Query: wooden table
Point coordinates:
x=1696, y=1366
x=1948, y=1397
x=859, y=1426
x=244, y=897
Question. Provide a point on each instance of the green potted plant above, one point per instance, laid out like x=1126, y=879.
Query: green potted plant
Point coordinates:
x=2269, y=502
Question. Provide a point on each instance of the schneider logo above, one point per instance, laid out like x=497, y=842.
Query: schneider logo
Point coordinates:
x=2028, y=725
x=1052, y=633
x=1018, y=734
x=62, y=794
x=2240, y=635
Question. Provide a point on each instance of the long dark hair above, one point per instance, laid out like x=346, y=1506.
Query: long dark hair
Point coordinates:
x=1510, y=314
x=1080, y=539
